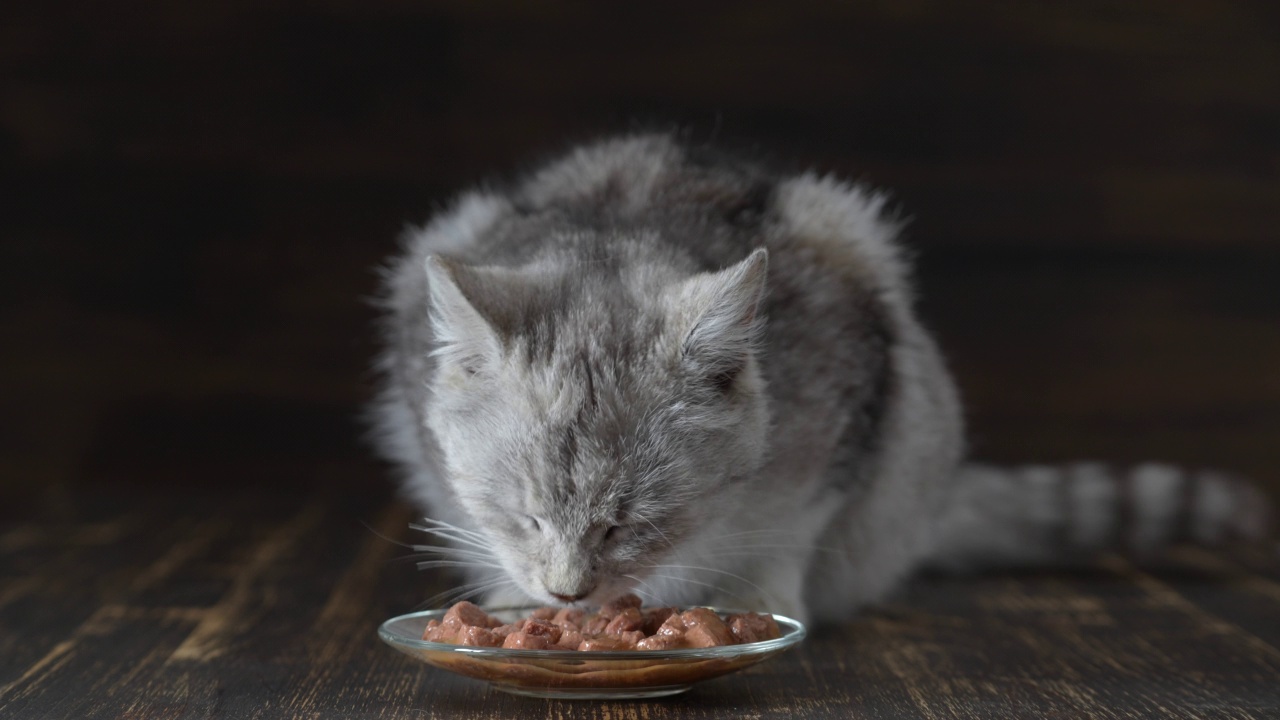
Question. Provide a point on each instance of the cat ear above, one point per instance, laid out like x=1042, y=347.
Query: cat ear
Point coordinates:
x=464, y=336
x=726, y=307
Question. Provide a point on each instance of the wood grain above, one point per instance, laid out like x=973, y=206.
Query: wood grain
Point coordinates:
x=274, y=615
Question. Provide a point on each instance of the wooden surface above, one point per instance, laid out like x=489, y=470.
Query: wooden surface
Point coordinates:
x=236, y=608
x=193, y=196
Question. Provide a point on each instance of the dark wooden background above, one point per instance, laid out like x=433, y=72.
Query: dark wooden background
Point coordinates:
x=194, y=196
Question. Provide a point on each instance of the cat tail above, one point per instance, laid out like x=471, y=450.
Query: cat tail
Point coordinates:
x=1037, y=515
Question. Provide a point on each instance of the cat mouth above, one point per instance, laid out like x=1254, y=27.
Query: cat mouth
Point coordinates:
x=599, y=593
x=570, y=599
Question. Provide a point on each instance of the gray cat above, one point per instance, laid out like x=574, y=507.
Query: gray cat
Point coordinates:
x=649, y=368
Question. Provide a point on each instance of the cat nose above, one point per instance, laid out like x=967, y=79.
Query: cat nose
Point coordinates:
x=569, y=598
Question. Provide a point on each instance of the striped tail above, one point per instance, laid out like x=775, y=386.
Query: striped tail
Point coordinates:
x=1039, y=515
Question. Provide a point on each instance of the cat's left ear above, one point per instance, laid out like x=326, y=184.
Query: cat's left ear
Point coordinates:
x=725, y=308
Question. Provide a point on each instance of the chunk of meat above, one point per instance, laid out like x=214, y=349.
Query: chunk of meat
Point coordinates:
x=503, y=631
x=626, y=621
x=465, y=613
x=569, y=640
x=751, y=627
x=608, y=642
x=704, y=628
x=569, y=618
x=620, y=603
x=522, y=640
x=595, y=625
x=543, y=628
x=465, y=624
x=436, y=632
x=543, y=613
x=477, y=637
x=661, y=642
x=674, y=625
x=655, y=617
x=453, y=632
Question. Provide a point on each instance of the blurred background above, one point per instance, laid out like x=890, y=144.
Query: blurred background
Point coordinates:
x=196, y=196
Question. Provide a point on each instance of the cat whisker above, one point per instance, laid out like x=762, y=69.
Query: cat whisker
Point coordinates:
x=446, y=545
x=455, y=531
x=661, y=534
x=763, y=593
x=428, y=564
x=438, y=526
x=452, y=536
x=650, y=593
x=454, y=552
x=431, y=557
x=646, y=596
x=449, y=548
x=456, y=593
x=477, y=591
x=450, y=526
x=751, y=533
x=371, y=529
x=717, y=588
x=736, y=548
x=504, y=582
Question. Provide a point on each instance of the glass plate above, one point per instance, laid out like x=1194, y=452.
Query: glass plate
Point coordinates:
x=578, y=674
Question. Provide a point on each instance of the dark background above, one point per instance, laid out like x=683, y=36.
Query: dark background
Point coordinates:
x=196, y=194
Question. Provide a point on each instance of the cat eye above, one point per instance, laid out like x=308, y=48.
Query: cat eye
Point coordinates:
x=531, y=523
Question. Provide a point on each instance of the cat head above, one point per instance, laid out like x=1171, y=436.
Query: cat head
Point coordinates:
x=594, y=417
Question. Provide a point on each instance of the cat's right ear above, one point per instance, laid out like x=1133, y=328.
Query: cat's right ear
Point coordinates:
x=464, y=338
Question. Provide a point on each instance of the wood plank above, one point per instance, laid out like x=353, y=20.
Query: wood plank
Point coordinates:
x=237, y=610
x=1103, y=644
x=1108, y=642
x=61, y=576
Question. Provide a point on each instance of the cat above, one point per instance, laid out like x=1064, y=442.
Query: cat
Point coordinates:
x=649, y=367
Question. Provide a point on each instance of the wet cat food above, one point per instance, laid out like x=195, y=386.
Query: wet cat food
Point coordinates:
x=621, y=624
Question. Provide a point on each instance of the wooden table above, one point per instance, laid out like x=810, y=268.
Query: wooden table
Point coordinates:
x=190, y=604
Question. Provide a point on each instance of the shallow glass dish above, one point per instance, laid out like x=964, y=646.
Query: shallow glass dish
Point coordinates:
x=582, y=674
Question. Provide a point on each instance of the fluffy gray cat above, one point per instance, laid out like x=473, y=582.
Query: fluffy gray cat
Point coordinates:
x=648, y=368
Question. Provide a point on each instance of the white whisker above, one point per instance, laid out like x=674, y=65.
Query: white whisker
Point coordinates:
x=427, y=564
x=652, y=593
x=476, y=591
x=455, y=552
x=371, y=529
x=746, y=549
x=433, y=556
x=450, y=526
x=448, y=535
x=458, y=593
x=437, y=526
x=717, y=588
x=747, y=533
x=661, y=534
x=764, y=593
